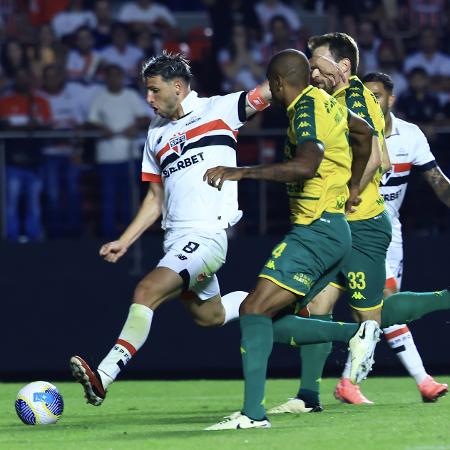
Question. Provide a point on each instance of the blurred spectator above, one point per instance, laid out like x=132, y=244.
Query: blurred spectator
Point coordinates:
x=83, y=61
x=418, y=104
x=61, y=158
x=281, y=38
x=119, y=113
x=267, y=9
x=47, y=50
x=240, y=63
x=434, y=62
x=121, y=52
x=41, y=12
x=21, y=109
x=389, y=62
x=68, y=21
x=102, y=30
x=224, y=15
x=141, y=13
x=148, y=43
x=349, y=25
x=426, y=13
x=368, y=44
x=13, y=57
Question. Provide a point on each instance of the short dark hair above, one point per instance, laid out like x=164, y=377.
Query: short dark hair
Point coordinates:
x=341, y=46
x=380, y=77
x=168, y=65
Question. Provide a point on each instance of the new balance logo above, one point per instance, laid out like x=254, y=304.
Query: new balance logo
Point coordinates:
x=358, y=296
x=182, y=257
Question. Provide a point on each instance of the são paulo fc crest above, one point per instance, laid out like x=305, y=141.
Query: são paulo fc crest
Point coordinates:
x=177, y=143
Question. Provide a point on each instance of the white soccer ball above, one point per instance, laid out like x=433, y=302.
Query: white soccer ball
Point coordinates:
x=39, y=403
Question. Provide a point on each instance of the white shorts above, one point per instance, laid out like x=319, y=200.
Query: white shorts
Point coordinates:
x=394, y=262
x=196, y=255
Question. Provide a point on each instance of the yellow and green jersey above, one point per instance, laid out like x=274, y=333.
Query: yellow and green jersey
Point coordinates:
x=316, y=116
x=361, y=101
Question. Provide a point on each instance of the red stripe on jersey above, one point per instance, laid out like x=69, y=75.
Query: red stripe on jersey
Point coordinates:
x=214, y=125
x=402, y=167
x=127, y=345
x=396, y=333
x=151, y=177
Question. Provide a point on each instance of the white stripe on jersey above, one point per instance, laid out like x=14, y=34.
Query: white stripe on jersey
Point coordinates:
x=407, y=146
x=179, y=152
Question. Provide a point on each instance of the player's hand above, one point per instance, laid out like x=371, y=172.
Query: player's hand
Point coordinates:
x=217, y=175
x=113, y=251
x=328, y=68
x=353, y=200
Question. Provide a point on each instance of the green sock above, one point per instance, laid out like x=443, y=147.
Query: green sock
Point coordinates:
x=405, y=307
x=256, y=346
x=294, y=330
x=313, y=358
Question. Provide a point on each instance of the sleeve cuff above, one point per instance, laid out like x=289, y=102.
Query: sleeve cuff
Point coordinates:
x=427, y=166
x=151, y=177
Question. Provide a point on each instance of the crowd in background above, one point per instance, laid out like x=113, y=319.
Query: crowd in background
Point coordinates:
x=74, y=65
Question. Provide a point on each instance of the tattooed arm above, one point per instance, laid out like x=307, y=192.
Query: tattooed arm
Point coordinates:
x=439, y=183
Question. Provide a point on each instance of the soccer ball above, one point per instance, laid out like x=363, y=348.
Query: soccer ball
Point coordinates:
x=39, y=403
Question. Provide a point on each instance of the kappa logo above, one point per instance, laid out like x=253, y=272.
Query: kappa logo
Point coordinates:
x=159, y=140
x=358, y=296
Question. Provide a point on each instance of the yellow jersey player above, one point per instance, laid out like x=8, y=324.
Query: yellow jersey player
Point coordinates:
x=363, y=274
x=317, y=168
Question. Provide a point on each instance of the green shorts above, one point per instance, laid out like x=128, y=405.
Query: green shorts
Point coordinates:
x=364, y=273
x=310, y=256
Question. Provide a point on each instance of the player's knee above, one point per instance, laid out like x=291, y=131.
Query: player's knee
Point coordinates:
x=144, y=294
x=253, y=305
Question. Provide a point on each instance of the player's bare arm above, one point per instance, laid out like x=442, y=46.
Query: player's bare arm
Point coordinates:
x=361, y=141
x=304, y=165
x=439, y=183
x=148, y=213
x=373, y=164
x=385, y=160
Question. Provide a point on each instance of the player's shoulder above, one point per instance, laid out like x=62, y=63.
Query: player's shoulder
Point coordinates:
x=157, y=123
x=230, y=98
x=407, y=127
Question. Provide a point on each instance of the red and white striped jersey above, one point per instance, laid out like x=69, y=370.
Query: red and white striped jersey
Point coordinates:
x=179, y=152
x=407, y=146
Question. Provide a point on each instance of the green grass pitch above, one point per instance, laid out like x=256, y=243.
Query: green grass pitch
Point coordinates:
x=171, y=415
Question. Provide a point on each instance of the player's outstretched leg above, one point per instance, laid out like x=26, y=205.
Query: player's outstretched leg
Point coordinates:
x=313, y=358
x=400, y=339
x=362, y=339
x=404, y=307
x=133, y=335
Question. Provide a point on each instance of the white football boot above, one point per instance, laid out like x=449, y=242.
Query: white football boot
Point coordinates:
x=292, y=406
x=362, y=347
x=239, y=421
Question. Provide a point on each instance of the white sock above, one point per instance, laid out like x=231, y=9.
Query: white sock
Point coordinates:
x=133, y=335
x=231, y=303
x=348, y=366
x=401, y=341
